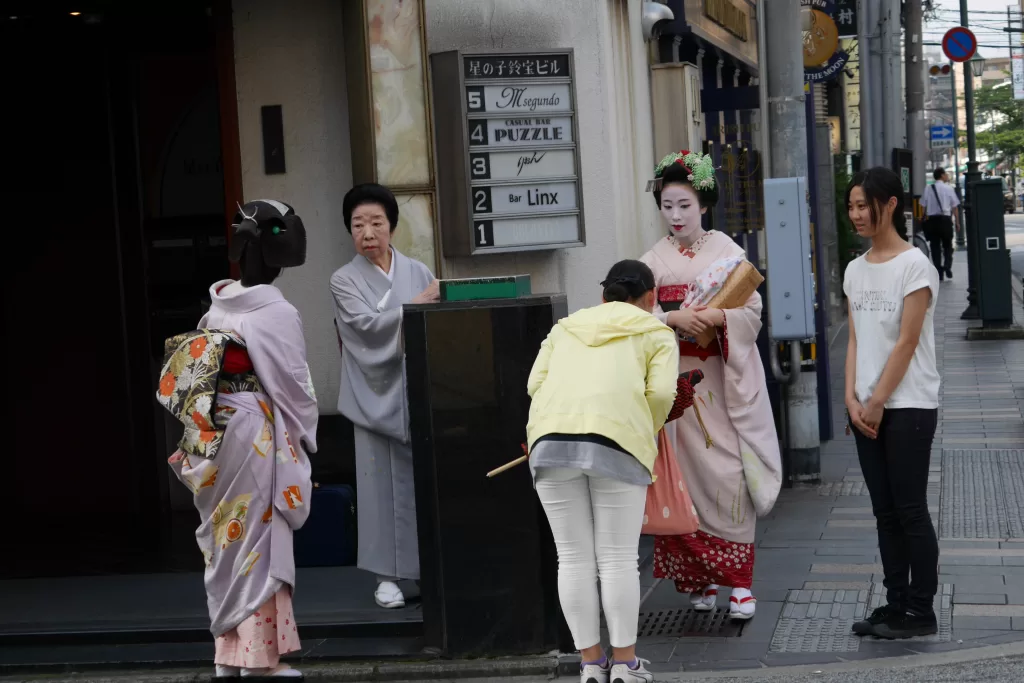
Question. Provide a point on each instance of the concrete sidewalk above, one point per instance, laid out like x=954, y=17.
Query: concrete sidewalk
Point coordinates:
x=817, y=567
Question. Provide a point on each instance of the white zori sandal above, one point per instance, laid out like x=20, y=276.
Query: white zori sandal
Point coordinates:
x=742, y=607
x=705, y=600
x=389, y=596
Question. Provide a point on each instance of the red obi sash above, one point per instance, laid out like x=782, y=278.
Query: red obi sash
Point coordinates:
x=692, y=350
x=236, y=360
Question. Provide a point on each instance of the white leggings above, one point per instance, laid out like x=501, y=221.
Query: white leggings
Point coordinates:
x=596, y=525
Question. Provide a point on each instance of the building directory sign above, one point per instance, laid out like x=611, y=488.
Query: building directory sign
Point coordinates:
x=508, y=154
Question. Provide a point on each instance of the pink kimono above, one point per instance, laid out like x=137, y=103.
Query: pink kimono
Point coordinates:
x=256, y=490
x=738, y=476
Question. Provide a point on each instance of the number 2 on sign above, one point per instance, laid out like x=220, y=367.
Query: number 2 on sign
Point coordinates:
x=482, y=200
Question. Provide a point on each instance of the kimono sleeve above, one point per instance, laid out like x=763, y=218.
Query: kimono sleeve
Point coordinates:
x=373, y=338
x=277, y=348
x=654, y=263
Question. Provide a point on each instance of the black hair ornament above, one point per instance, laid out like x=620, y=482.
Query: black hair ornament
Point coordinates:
x=273, y=229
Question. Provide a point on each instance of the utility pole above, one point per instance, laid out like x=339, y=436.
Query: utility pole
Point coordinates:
x=1009, y=41
x=876, y=76
x=787, y=141
x=869, y=128
x=894, y=129
x=973, y=175
x=961, y=228
x=915, y=97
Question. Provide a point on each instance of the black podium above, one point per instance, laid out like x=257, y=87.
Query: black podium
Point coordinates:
x=487, y=561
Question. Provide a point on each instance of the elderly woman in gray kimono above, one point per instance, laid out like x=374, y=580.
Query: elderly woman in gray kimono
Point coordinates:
x=368, y=295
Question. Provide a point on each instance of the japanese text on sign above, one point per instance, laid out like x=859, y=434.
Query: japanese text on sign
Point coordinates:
x=520, y=66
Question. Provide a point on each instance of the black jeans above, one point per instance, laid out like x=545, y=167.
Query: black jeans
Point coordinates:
x=940, y=242
x=895, y=467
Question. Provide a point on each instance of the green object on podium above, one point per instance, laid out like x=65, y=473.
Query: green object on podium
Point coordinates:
x=480, y=288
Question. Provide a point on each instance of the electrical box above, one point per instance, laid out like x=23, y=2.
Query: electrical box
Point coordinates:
x=790, y=278
x=995, y=296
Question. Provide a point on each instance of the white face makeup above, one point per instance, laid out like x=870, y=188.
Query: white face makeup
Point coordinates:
x=682, y=211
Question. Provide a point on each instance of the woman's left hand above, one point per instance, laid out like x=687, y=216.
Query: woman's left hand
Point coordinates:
x=714, y=317
x=872, y=415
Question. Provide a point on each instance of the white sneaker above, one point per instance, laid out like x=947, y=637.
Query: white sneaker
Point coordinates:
x=282, y=671
x=225, y=671
x=389, y=596
x=592, y=673
x=621, y=673
x=705, y=600
x=742, y=608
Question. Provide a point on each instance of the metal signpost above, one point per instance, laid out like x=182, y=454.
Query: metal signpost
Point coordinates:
x=507, y=148
x=942, y=136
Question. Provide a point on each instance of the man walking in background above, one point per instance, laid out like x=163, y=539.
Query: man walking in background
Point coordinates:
x=940, y=207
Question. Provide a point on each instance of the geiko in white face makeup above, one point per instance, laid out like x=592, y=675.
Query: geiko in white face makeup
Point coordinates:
x=681, y=210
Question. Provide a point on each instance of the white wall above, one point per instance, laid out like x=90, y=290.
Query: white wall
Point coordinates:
x=290, y=53
x=614, y=123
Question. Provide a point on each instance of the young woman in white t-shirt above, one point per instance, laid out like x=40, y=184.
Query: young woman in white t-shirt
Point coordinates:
x=892, y=397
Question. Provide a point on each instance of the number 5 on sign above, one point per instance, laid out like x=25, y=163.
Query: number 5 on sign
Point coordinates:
x=475, y=99
x=483, y=234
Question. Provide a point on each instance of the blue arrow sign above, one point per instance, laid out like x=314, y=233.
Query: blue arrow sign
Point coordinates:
x=942, y=132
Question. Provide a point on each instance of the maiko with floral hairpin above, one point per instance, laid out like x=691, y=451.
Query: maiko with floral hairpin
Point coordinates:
x=727, y=447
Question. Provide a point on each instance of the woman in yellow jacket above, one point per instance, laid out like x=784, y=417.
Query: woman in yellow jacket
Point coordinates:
x=602, y=386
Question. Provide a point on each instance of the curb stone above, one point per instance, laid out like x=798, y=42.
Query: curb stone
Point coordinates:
x=549, y=667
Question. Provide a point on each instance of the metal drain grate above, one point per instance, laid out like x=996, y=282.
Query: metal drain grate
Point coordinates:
x=982, y=494
x=688, y=622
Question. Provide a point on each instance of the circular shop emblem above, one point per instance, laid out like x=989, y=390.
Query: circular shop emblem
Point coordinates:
x=823, y=60
x=821, y=40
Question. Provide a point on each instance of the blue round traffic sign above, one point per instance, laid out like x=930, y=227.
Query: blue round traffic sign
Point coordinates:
x=959, y=43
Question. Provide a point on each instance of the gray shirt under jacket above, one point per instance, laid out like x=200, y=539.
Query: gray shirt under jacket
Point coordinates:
x=596, y=455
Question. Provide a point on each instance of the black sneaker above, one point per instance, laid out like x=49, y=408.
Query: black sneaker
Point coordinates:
x=949, y=273
x=867, y=626
x=907, y=625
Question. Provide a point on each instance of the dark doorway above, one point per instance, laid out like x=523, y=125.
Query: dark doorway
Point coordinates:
x=113, y=166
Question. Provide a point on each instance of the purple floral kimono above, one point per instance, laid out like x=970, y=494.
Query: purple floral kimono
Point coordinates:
x=255, y=492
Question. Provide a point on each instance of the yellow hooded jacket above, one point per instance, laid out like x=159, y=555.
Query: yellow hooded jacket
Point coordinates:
x=609, y=370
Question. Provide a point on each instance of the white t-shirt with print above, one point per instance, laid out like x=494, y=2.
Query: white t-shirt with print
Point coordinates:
x=876, y=292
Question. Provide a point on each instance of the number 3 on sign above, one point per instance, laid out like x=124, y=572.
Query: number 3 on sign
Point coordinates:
x=483, y=234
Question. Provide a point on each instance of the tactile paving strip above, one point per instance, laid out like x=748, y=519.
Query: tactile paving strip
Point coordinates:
x=814, y=635
x=982, y=494
x=859, y=488
x=943, y=607
x=688, y=622
x=843, y=488
x=821, y=620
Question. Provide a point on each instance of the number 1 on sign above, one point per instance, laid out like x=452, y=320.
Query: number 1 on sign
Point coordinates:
x=484, y=234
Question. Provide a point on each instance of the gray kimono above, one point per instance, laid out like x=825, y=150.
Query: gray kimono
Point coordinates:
x=368, y=313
